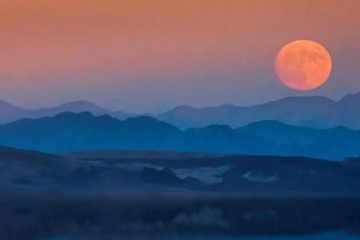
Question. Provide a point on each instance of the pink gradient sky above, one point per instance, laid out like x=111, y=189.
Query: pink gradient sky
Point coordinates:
x=151, y=55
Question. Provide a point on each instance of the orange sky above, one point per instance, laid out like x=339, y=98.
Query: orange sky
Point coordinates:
x=200, y=52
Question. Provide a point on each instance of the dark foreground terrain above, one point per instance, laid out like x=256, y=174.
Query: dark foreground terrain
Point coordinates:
x=177, y=196
x=124, y=173
x=173, y=216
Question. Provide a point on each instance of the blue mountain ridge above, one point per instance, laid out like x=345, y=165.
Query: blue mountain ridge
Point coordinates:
x=69, y=132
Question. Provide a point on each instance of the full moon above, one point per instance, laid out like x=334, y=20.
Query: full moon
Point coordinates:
x=303, y=65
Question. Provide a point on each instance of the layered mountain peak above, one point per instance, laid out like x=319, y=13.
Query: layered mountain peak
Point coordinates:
x=352, y=98
x=81, y=106
x=83, y=131
x=10, y=113
x=181, y=109
x=311, y=111
x=7, y=108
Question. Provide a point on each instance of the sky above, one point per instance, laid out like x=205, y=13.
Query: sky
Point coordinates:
x=152, y=55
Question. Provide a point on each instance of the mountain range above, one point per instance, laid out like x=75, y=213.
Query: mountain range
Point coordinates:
x=314, y=112
x=69, y=132
x=10, y=113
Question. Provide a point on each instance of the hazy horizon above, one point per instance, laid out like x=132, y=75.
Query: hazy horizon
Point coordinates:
x=46, y=105
x=149, y=56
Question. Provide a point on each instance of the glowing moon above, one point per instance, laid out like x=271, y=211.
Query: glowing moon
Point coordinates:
x=303, y=65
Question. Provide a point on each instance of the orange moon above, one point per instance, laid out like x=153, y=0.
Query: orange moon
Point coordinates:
x=303, y=65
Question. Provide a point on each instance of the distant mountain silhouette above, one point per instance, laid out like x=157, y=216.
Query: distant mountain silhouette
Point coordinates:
x=68, y=132
x=316, y=112
x=77, y=132
x=9, y=112
x=74, y=107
